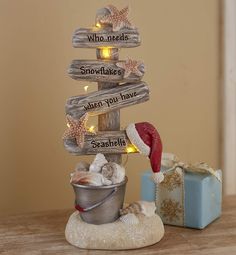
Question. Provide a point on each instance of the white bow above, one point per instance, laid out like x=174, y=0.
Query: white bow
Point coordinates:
x=172, y=162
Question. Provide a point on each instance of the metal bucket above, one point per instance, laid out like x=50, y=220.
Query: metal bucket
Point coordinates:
x=99, y=205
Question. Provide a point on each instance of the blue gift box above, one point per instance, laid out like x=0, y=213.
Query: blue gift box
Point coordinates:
x=194, y=203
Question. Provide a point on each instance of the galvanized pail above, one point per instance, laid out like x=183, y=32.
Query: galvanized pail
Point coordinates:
x=99, y=205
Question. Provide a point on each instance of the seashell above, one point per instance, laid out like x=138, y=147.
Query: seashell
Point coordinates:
x=77, y=175
x=129, y=219
x=88, y=178
x=148, y=208
x=134, y=208
x=140, y=207
x=82, y=166
x=97, y=163
x=114, y=172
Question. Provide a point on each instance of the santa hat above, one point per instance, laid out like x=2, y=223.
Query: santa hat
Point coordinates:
x=146, y=139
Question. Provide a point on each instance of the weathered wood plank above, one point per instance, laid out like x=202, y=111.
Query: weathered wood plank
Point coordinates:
x=109, y=121
x=100, y=37
x=106, y=142
x=106, y=100
x=101, y=70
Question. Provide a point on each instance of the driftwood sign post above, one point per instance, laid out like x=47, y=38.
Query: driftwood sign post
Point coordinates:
x=109, y=121
x=119, y=86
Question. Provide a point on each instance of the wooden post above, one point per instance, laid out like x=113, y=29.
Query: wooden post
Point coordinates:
x=109, y=121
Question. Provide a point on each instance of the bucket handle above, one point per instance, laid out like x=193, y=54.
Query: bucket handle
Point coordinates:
x=81, y=209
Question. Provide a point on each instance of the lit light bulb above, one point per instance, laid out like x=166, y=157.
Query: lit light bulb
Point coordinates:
x=98, y=25
x=130, y=149
x=91, y=129
x=105, y=52
x=86, y=88
x=68, y=125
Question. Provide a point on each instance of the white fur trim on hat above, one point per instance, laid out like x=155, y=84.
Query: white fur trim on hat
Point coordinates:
x=136, y=140
x=158, y=177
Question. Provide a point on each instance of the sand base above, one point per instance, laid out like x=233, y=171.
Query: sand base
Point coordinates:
x=114, y=236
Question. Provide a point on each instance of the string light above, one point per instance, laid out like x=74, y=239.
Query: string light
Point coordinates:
x=98, y=25
x=131, y=148
x=68, y=125
x=91, y=129
x=86, y=88
x=106, y=52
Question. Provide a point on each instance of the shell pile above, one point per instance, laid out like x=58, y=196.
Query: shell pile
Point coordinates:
x=140, y=207
x=88, y=178
x=100, y=172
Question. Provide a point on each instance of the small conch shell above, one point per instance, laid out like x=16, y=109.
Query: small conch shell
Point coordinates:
x=140, y=207
x=130, y=219
x=82, y=166
x=114, y=172
x=97, y=163
x=88, y=178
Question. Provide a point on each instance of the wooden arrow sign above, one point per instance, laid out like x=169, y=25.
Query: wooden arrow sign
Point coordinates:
x=102, y=70
x=97, y=37
x=103, y=142
x=106, y=100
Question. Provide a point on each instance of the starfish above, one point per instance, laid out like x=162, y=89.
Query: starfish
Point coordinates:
x=130, y=66
x=76, y=129
x=118, y=19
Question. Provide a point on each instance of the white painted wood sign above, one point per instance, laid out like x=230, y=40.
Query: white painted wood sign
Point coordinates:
x=96, y=37
x=106, y=142
x=102, y=70
x=106, y=100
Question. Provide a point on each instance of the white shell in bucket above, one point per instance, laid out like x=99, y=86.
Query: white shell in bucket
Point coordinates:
x=89, y=178
x=97, y=163
x=114, y=172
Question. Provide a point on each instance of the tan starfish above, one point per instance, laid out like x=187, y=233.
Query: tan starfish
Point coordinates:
x=76, y=129
x=118, y=19
x=130, y=66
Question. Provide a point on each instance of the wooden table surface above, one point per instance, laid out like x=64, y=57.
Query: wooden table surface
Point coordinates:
x=43, y=233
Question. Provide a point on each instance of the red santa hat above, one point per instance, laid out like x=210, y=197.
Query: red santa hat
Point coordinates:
x=146, y=139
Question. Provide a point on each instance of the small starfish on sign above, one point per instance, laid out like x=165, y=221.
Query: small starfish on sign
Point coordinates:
x=130, y=66
x=76, y=129
x=118, y=19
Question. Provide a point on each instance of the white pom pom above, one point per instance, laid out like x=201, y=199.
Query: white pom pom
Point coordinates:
x=158, y=177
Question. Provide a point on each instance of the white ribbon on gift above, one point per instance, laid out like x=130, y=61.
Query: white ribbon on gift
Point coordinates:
x=172, y=162
x=170, y=194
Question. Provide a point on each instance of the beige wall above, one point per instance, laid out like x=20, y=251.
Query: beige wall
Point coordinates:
x=180, y=49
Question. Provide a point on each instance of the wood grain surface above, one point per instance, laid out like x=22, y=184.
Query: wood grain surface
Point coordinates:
x=43, y=233
x=98, y=37
x=106, y=142
x=106, y=100
x=109, y=121
x=101, y=70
